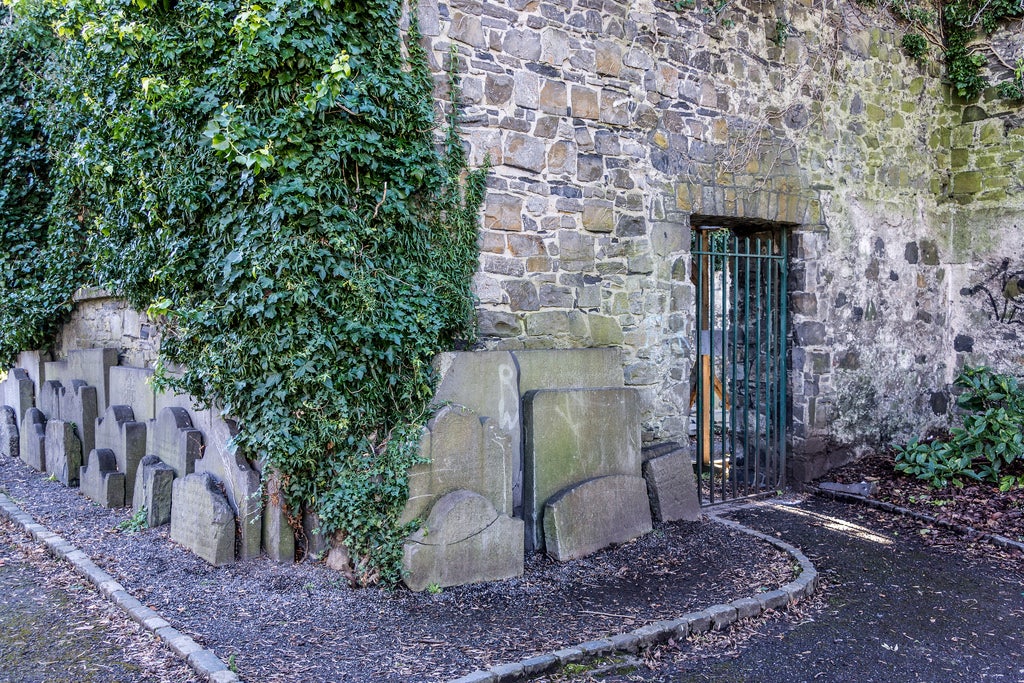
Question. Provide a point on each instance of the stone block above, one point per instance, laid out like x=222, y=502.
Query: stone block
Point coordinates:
x=466, y=452
x=465, y=540
x=202, y=519
x=10, y=443
x=278, y=535
x=572, y=435
x=132, y=387
x=525, y=152
x=18, y=392
x=153, y=489
x=671, y=487
x=93, y=367
x=32, y=448
x=223, y=459
x=101, y=481
x=172, y=438
x=80, y=406
x=50, y=396
x=487, y=382
x=118, y=431
x=590, y=516
x=63, y=452
x=568, y=369
x=34, y=365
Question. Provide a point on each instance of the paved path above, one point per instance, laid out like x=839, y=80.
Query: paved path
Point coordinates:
x=894, y=609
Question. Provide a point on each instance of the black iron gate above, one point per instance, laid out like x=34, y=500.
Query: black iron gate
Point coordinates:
x=738, y=395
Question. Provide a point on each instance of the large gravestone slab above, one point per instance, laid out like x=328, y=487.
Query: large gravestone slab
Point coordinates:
x=464, y=540
x=118, y=431
x=584, y=518
x=34, y=363
x=171, y=438
x=223, y=460
x=10, y=441
x=487, y=383
x=63, y=452
x=465, y=453
x=202, y=519
x=93, y=367
x=33, y=439
x=80, y=406
x=153, y=490
x=278, y=535
x=131, y=387
x=573, y=435
x=50, y=396
x=100, y=481
x=671, y=487
x=568, y=369
x=18, y=392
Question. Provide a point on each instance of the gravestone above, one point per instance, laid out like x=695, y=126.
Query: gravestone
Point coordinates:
x=80, y=406
x=278, y=535
x=131, y=387
x=10, y=441
x=18, y=392
x=487, y=383
x=568, y=369
x=118, y=431
x=465, y=540
x=63, y=452
x=671, y=487
x=172, y=439
x=584, y=518
x=465, y=452
x=153, y=489
x=93, y=367
x=33, y=363
x=50, y=396
x=100, y=480
x=572, y=435
x=33, y=439
x=202, y=519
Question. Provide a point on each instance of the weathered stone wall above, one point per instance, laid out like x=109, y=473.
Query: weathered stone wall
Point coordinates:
x=101, y=320
x=612, y=126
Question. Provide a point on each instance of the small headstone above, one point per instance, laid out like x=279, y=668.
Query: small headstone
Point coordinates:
x=18, y=392
x=464, y=541
x=63, y=452
x=671, y=487
x=172, y=438
x=10, y=442
x=80, y=406
x=50, y=395
x=202, y=519
x=33, y=439
x=132, y=387
x=118, y=431
x=93, y=367
x=278, y=535
x=153, y=487
x=100, y=480
x=315, y=541
x=595, y=514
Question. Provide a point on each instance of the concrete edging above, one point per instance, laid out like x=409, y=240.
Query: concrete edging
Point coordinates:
x=204, y=662
x=715, y=617
x=994, y=539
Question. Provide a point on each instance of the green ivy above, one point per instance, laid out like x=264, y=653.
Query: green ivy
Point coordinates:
x=267, y=180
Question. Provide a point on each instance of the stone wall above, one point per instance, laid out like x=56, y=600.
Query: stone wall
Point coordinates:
x=611, y=127
x=100, y=320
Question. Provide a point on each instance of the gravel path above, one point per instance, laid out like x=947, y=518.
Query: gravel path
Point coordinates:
x=302, y=623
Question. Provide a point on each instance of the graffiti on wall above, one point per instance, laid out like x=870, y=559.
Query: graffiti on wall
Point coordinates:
x=1003, y=292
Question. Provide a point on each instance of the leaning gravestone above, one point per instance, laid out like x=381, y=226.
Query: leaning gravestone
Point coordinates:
x=172, y=439
x=573, y=435
x=132, y=387
x=100, y=480
x=465, y=540
x=118, y=431
x=10, y=441
x=584, y=518
x=33, y=439
x=202, y=519
x=671, y=486
x=63, y=452
x=153, y=487
x=80, y=407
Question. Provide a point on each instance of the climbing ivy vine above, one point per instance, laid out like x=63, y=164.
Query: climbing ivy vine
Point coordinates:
x=267, y=179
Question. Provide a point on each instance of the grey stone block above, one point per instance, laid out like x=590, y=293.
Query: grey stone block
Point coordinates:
x=153, y=486
x=746, y=608
x=465, y=540
x=864, y=488
x=93, y=367
x=51, y=394
x=80, y=405
x=595, y=514
x=466, y=453
x=18, y=392
x=118, y=431
x=202, y=519
x=172, y=438
x=278, y=535
x=672, y=488
x=568, y=369
x=33, y=439
x=100, y=479
x=63, y=452
x=573, y=435
x=132, y=387
x=10, y=440
x=721, y=615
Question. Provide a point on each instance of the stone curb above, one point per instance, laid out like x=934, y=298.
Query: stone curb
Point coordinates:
x=204, y=662
x=994, y=539
x=716, y=617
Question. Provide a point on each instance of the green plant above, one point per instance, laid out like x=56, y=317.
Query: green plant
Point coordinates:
x=434, y=589
x=782, y=32
x=990, y=439
x=135, y=523
x=915, y=45
x=1013, y=89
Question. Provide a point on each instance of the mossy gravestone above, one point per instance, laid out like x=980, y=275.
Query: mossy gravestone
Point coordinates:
x=33, y=439
x=118, y=431
x=100, y=479
x=63, y=452
x=10, y=442
x=202, y=520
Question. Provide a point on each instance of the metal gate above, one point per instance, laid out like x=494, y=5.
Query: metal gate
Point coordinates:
x=738, y=394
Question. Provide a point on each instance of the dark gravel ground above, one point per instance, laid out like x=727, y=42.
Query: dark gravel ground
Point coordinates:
x=302, y=622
